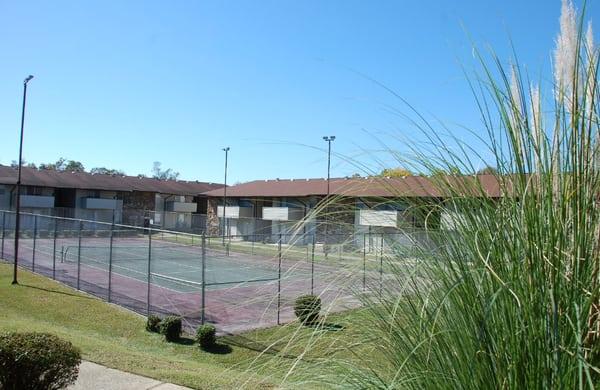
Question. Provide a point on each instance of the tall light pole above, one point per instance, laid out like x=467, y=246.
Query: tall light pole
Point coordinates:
x=226, y=150
x=18, y=192
x=329, y=140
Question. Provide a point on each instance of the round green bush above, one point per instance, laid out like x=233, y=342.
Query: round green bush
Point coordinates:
x=36, y=361
x=206, y=336
x=307, y=308
x=153, y=324
x=170, y=327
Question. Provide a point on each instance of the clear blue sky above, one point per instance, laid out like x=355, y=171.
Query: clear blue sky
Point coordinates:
x=124, y=83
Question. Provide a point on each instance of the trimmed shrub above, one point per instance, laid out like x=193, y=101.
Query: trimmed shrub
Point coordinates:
x=36, y=361
x=170, y=327
x=206, y=336
x=153, y=324
x=307, y=308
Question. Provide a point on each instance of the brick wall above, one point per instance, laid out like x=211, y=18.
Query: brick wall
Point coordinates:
x=212, y=220
x=134, y=205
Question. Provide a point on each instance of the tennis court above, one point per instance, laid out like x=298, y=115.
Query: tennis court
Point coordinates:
x=160, y=272
x=175, y=266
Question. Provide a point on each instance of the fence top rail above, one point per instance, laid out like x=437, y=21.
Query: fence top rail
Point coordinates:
x=220, y=236
x=142, y=228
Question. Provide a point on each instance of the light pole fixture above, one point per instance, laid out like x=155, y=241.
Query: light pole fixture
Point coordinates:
x=18, y=187
x=226, y=150
x=329, y=140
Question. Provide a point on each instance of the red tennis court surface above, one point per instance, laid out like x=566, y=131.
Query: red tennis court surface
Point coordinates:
x=232, y=307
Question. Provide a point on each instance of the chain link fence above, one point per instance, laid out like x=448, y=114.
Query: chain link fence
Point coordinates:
x=237, y=282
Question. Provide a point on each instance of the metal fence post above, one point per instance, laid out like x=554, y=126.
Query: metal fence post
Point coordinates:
x=228, y=244
x=203, y=307
x=149, y=274
x=54, y=249
x=364, y=261
x=312, y=266
x=79, y=253
x=3, y=233
x=279, y=282
x=304, y=241
x=35, y=228
x=381, y=267
x=110, y=257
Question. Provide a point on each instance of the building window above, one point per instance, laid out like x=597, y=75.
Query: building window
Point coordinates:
x=37, y=191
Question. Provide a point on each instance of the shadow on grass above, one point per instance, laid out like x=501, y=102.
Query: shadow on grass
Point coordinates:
x=241, y=341
x=184, y=341
x=218, y=349
x=73, y=294
x=253, y=345
x=329, y=326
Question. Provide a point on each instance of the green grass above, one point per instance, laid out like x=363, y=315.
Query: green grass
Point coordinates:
x=115, y=337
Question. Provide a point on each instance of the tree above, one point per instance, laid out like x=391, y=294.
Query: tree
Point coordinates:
x=166, y=174
x=395, y=172
x=57, y=166
x=63, y=164
x=73, y=166
x=488, y=170
x=448, y=171
x=106, y=171
x=24, y=163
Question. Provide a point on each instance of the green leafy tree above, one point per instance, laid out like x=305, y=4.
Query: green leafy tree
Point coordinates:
x=395, y=172
x=488, y=170
x=24, y=163
x=73, y=166
x=106, y=171
x=63, y=164
x=447, y=171
x=163, y=174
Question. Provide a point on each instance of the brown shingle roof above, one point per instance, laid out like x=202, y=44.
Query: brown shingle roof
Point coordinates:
x=83, y=180
x=410, y=186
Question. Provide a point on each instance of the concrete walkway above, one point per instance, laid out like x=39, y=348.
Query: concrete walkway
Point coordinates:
x=93, y=376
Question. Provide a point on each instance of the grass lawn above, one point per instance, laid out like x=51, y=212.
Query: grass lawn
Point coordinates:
x=115, y=337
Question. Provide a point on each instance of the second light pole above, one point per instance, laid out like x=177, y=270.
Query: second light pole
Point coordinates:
x=329, y=140
x=18, y=186
x=226, y=150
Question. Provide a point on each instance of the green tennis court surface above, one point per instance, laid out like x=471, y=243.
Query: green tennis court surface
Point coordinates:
x=176, y=267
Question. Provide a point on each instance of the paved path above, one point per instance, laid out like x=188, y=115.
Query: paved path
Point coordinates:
x=93, y=376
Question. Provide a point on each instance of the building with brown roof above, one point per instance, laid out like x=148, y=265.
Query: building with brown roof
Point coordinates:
x=128, y=199
x=356, y=205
